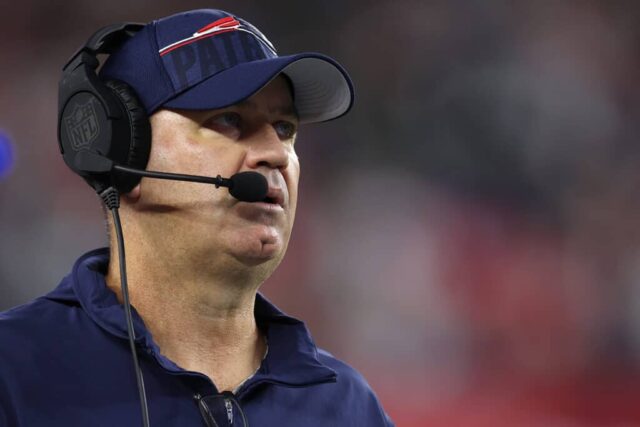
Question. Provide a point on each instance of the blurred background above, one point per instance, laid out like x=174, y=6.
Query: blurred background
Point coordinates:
x=468, y=237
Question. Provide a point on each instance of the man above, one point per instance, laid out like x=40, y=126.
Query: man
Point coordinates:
x=212, y=350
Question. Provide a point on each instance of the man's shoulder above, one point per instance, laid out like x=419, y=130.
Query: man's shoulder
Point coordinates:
x=346, y=373
x=354, y=388
x=36, y=311
x=33, y=323
x=25, y=316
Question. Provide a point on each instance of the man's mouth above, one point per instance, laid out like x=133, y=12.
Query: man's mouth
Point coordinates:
x=274, y=196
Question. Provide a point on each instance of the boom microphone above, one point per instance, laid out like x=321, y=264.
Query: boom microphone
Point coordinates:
x=245, y=186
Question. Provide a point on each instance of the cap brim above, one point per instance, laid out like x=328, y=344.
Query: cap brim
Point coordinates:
x=322, y=88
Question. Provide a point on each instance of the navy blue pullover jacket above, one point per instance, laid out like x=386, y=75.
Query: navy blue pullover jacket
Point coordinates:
x=65, y=361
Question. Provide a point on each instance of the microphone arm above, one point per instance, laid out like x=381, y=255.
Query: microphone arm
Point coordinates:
x=245, y=186
x=218, y=181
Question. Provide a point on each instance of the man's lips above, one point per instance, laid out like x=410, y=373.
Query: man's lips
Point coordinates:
x=273, y=203
x=274, y=196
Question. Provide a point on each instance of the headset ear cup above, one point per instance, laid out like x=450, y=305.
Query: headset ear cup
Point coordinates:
x=139, y=150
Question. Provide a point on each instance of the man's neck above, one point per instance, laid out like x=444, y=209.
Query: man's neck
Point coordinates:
x=204, y=324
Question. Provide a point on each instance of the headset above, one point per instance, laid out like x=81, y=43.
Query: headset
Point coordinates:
x=105, y=118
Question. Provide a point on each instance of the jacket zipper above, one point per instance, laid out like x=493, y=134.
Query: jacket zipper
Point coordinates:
x=229, y=406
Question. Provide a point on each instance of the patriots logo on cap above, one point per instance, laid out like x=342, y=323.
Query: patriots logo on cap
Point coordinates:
x=220, y=26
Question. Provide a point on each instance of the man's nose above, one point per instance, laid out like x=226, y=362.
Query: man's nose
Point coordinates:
x=267, y=149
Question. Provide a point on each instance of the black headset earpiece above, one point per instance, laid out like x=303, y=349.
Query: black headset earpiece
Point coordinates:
x=105, y=118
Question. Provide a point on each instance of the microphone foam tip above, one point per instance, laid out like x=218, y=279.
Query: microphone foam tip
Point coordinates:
x=249, y=186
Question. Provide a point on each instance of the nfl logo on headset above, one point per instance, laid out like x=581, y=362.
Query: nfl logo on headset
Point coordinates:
x=82, y=125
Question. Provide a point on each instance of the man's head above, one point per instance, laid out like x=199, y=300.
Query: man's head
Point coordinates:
x=257, y=134
x=196, y=60
x=219, y=100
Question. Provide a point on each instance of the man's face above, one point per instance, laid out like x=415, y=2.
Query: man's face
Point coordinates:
x=199, y=221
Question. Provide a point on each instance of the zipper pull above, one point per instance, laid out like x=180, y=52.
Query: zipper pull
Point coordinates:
x=229, y=406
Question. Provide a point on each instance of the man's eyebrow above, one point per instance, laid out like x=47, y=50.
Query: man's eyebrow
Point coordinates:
x=285, y=110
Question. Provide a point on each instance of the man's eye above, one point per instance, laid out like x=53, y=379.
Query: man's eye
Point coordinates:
x=225, y=123
x=285, y=130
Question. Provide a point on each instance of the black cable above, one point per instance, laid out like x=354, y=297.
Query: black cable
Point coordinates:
x=111, y=198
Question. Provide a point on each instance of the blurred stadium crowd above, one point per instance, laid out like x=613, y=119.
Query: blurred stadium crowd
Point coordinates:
x=468, y=237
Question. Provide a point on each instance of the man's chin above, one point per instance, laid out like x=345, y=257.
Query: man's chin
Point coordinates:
x=258, y=247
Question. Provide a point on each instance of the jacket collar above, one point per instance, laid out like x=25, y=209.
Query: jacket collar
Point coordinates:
x=292, y=358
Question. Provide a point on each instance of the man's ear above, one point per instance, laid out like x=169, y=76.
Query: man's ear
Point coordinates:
x=133, y=195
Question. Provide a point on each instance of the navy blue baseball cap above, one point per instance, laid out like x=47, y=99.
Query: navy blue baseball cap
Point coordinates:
x=208, y=59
